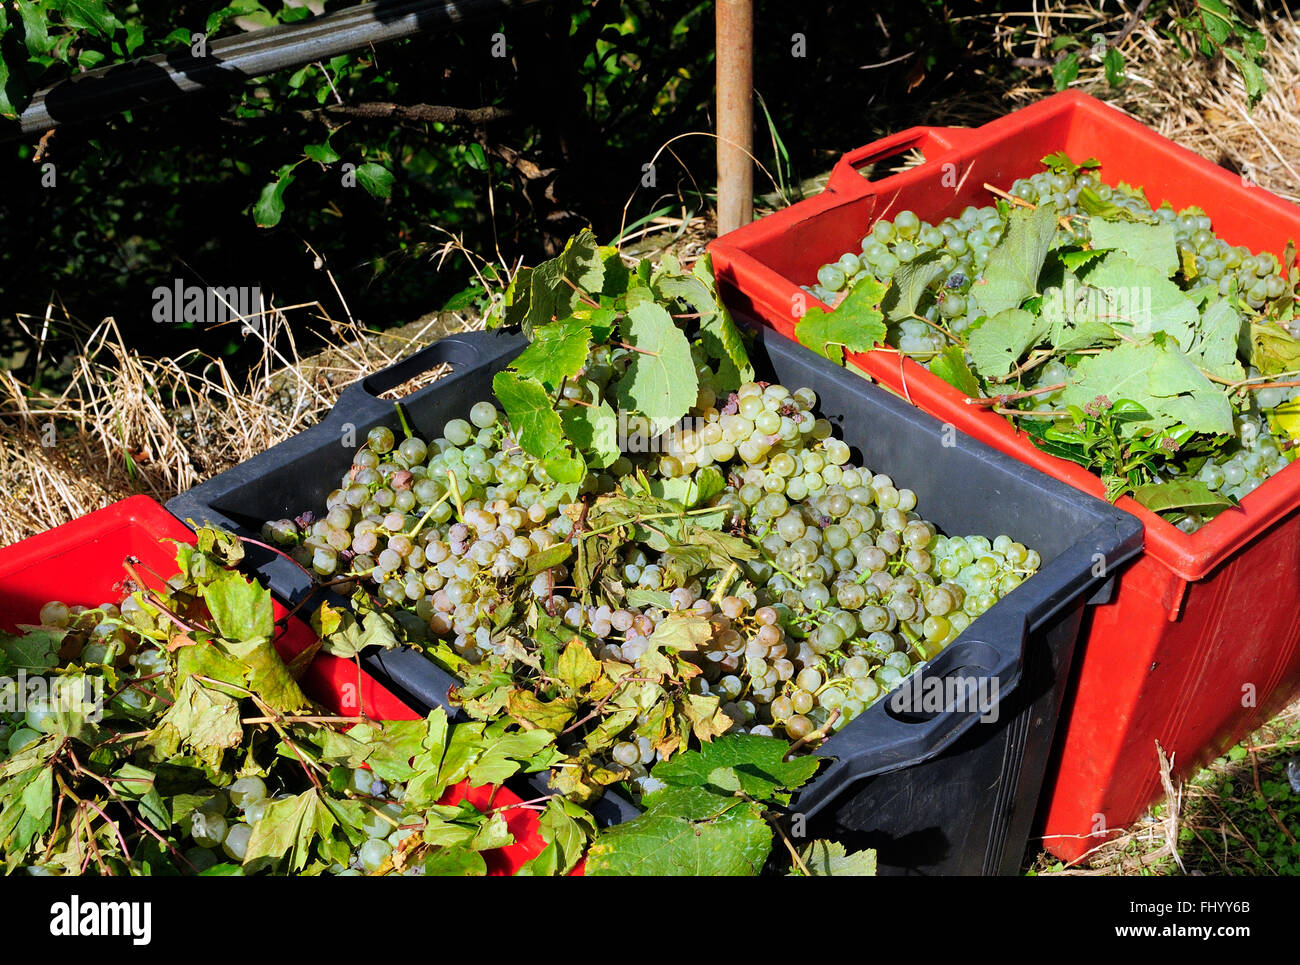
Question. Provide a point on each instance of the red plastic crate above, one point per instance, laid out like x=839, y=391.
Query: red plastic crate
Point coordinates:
x=1201, y=641
x=81, y=563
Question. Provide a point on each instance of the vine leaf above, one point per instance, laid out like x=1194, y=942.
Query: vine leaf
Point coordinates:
x=909, y=284
x=950, y=365
x=536, y=425
x=557, y=352
x=686, y=832
x=759, y=765
x=1186, y=495
x=290, y=826
x=1011, y=274
x=997, y=345
x=594, y=430
x=1155, y=245
x=660, y=382
x=270, y=203
x=827, y=859
x=856, y=323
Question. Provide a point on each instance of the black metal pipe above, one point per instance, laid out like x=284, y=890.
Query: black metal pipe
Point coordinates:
x=163, y=77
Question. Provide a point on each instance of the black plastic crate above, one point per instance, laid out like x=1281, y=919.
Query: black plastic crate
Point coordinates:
x=936, y=793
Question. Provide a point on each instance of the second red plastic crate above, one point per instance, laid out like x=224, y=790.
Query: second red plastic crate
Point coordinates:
x=1201, y=642
x=81, y=563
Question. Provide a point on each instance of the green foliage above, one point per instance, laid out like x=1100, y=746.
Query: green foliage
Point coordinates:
x=585, y=297
x=223, y=189
x=1102, y=437
x=998, y=344
x=1013, y=268
x=856, y=323
x=224, y=705
x=1156, y=360
x=1215, y=27
x=686, y=833
x=825, y=859
x=711, y=819
x=1248, y=798
x=1219, y=29
x=755, y=765
x=588, y=93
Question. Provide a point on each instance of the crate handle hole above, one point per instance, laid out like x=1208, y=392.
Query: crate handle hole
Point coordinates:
x=922, y=697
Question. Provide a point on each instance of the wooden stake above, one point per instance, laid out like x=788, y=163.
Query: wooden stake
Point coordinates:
x=735, y=81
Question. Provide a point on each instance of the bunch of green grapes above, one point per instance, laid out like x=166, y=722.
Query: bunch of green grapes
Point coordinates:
x=1256, y=452
x=224, y=823
x=852, y=590
x=866, y=589
x=95, y=638
x=964, y=243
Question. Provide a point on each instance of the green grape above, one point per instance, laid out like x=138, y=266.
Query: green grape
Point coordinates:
x=380, y=439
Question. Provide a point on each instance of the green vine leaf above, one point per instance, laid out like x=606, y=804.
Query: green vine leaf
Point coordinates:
x=827, y=859
x=535, y=423
x=1011, y=274
x=660, y=383
x=856, y=323
x=557, y=352
x=686, y=832
x=997, y=345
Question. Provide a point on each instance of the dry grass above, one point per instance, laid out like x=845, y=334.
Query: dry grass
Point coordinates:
x=1200, y=103
x=126, y=423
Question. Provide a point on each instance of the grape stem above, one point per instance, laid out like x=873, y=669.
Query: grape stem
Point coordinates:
x=307, y=761
x=950, y=336
x=397, y=825
x=155, y=600
x=794, y=855
x=633, y=348
x=276, y=550
x=454, y=489
x=1247, y=383
x=1063, y=221
x=774, y=820
x=771, y=561
x=304, y=719
x=645, y=518
x=1007, y=196
x=814, y=735
x=600, y=704
x=721, y=589
x=1029, y=363
x=999, y=400
x=401, y=416
x=1030, y=413
x=82, y=805
x=425, y=518
x=582, y=295
x=78, y=768
x=58, y=818
x=531, y=804
x=82, y=769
